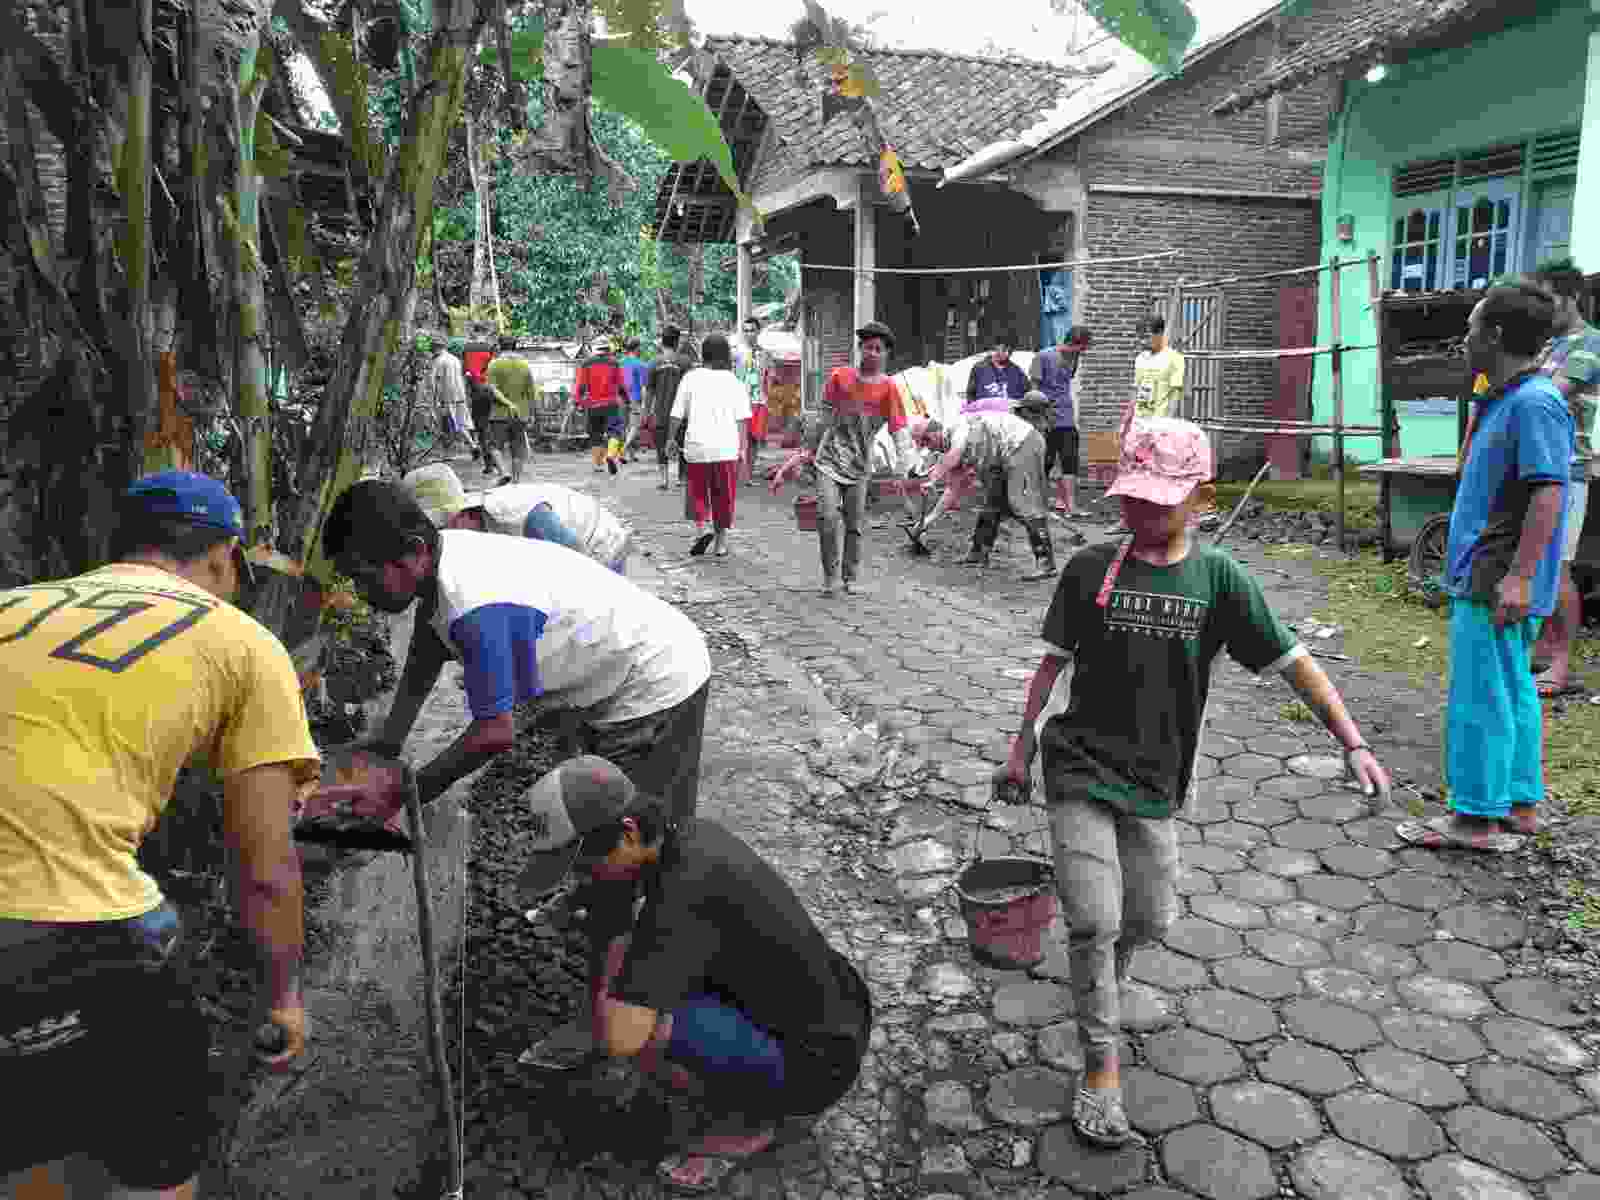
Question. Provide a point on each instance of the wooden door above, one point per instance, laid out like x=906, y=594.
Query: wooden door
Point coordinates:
x=1297, y=326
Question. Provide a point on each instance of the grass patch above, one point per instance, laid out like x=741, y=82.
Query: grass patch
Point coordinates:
x=1297, y=711
x=1388, y=627
x=1585, y=914
x=1308, y=495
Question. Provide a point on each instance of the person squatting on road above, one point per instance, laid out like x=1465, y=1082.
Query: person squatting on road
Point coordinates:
x=1572, y=361
x=727, y=986
x=995, y=383
x=1007, y=453
x=1502, y=569
x=1053, y=371
x=601, y=388
x=627, y=673
x=856, y=403
x=546, y=512
x=516, y=401
x=109, y=683
x=665, y=376
x=712, y=409
x=1143, y=621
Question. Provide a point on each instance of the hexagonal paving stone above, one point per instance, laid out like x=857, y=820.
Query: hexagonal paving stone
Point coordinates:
x=1335, y=808
x=1318, y=766
x=1378, y=959
x=1218, y=1165
x=1574, y=1187
x=1335, y=891
x=1066, y=1158
x=1363, y=862
x=1161, y=967
x=1583, y=1135
x=1393, y=924
x=1251, y=766
x=1280, y=861
x=1541, y=1000
x=1463, y=960
x=1444, y=997
x=1194, y=1056
x=1223, y=910
x=1030, y=1096
x=1423, y=1033
x=1257, y=887
x=1266, y=1113
x=1145, y=1008
x=1275, y=745
x=1202, y=939
x=949, y=1106
x=1290, y=787
x=1257, y=977
x=1416, y=889
x=1192, y=881
x=1059, y=1047
x=1523, y=1091
x=1536, y=1045
x=1263, y=811
x=1189, y=834
x=1344, y=986
x=1212, y=858
x=1391, y=1127
x=1516, y=1147
x=1455, y=1178
x=1206, y=767
x=1207, y=808
x=1335, y=1170
x=1033, y=1003
x=1373, y=831
x=1492, y=928
x=1310, y=920
x=1288, y=949
x=1308, y=835
x=1232, y=1015
x=1235, y=835
x=1332, y=1025
x=1156, y=1103
x=1309, y=1069
x=1411, y=1077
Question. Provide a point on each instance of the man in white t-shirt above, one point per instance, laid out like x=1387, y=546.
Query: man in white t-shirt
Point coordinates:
x=530, y=622
x=547, y=512
x=713, y=408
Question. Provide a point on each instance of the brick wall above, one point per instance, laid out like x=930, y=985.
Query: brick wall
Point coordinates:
x=1217, y=238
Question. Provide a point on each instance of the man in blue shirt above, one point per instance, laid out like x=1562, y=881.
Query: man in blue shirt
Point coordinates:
x=1502, y=566
x=1052, y=372
x=635, y=373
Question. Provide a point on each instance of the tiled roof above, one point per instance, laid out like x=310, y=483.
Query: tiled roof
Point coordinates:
x=936, y=109
x=1369, y=29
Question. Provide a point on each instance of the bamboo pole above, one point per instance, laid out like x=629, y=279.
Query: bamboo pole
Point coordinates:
x=1337, y=356
x=430, y=975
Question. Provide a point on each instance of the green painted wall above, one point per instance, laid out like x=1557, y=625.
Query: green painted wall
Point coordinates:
x=1522, y=82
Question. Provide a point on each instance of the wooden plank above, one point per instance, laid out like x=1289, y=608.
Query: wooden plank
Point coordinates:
x=1436, y=464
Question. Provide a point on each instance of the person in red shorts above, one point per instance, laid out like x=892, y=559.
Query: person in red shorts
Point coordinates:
x=713, y=409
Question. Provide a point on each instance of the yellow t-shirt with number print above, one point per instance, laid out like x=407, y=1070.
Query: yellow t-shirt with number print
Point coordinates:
x=109, y=683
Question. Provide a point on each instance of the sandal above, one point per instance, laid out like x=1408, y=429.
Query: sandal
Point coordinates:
x=700, y=544
x=1099, y=1118
x=1524, y=820
x=1442, y=833
x=1549, y=689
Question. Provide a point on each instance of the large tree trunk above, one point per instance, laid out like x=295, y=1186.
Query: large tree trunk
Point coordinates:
x=342, y=436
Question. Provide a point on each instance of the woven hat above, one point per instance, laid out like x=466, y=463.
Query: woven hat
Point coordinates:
x=438, y=492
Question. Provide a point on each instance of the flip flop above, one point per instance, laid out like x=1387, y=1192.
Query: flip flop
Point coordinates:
x=1440, y=833
x=1549, y=689
x=717, y=1169
x=1524, y=820
x=700, y=544
x=1099, y=1118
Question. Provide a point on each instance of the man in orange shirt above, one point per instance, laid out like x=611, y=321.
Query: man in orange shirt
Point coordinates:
x=600, y=389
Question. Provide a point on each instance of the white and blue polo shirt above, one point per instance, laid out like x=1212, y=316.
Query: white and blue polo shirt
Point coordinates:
x=531, y=620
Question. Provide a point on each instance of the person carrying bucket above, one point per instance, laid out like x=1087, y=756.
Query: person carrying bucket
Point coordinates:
x=1143, y=621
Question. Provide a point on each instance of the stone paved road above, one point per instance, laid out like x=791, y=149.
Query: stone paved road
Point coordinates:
x=1329, y=1018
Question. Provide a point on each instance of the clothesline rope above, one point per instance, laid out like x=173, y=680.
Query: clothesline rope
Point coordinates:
x=1044, y=266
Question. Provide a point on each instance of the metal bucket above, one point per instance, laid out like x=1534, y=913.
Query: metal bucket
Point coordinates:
x=1007, y=931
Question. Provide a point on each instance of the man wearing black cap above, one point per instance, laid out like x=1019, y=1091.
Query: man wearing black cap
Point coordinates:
x=857, y=402
x=109, y=683
x=727, y=982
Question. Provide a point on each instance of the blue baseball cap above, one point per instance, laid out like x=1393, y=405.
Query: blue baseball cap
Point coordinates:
x=190, y=496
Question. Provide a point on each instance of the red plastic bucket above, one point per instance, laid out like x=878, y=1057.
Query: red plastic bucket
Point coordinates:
x=805, y=512
x=1008, y=903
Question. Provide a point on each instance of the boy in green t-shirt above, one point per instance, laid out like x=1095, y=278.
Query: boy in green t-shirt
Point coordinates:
x=1144, y=622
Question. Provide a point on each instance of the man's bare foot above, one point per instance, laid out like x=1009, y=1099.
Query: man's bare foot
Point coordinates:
x=703, y=1166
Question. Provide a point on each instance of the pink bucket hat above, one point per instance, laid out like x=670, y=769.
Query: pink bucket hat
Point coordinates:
x=1163, y=459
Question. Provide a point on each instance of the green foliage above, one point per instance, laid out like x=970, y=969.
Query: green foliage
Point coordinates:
x=636, y=84
x=1158, y=30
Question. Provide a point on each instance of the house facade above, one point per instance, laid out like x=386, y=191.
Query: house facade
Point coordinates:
x=1465, y=146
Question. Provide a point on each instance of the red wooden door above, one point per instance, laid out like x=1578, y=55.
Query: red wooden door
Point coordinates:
x=1297, y=326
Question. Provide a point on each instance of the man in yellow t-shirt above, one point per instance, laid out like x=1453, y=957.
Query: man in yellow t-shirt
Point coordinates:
x=515, y=406
x=109, y=683
x=1157, y=378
